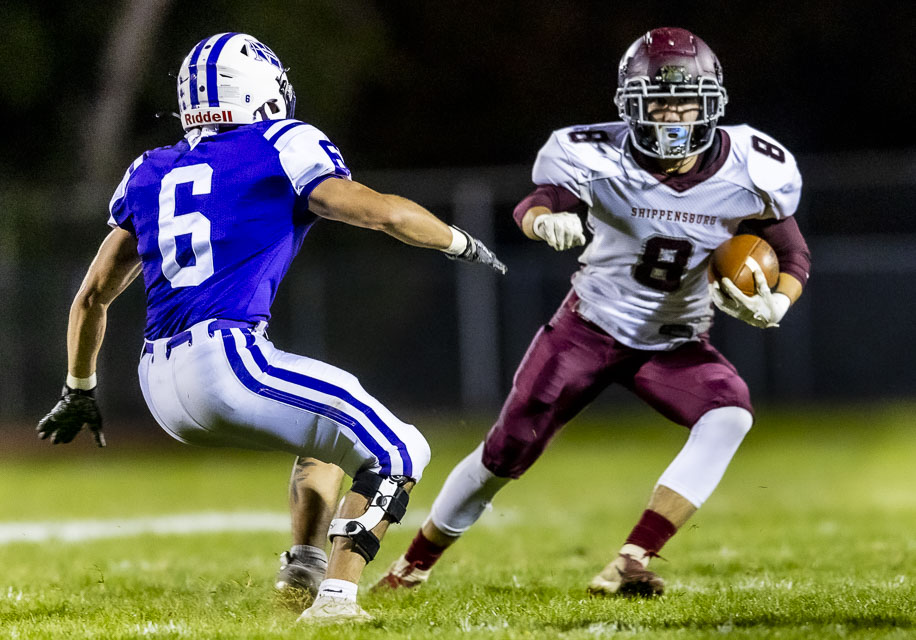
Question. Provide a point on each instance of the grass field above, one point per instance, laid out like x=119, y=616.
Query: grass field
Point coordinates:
x=812, y=534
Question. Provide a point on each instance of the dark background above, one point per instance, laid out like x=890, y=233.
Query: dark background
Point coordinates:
x=424, y=84
x=440, y=91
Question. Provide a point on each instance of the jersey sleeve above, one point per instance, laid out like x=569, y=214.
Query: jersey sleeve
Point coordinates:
x=118, y=213
x=307, y=156
x=555, y=165
x=775, y=175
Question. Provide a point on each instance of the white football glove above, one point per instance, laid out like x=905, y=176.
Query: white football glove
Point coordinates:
x=560, y=230
x=763, y=309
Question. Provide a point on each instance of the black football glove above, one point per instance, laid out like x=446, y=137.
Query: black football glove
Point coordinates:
x=476, y=251
x=75, y=409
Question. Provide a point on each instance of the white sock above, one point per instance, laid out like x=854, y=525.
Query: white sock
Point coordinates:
x=467, y=491
x=712, y=444
x=338, y=589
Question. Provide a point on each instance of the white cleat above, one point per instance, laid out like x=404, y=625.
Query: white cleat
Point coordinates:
x=329, y=610
x=402, y=575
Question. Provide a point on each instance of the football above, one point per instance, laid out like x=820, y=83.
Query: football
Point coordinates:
x=729, y=260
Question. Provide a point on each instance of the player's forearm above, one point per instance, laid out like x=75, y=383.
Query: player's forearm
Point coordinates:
x=115, y=266
x=546, y=198
x=789, y=286
x=528, y=221
x=412, y=224
x=358, y=205
x=85, y=332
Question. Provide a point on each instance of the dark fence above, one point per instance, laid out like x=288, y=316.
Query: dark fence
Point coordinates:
x=429, y=334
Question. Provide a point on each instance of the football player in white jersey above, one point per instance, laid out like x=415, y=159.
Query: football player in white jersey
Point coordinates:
x=661, y=189
x=213, y=223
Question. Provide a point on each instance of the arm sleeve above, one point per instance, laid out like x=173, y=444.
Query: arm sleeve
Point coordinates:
x=551, y=196
x=787, y=241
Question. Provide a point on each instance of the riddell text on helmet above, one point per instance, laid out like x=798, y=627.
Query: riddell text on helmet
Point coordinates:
x=207, y=117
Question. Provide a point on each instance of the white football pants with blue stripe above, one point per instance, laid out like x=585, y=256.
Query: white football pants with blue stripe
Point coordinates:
x=231, y=387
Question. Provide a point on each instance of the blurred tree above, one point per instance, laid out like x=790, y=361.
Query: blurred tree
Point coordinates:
x=127, y=50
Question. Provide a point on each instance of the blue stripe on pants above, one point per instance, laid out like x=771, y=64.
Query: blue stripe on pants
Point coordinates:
x=245, y=377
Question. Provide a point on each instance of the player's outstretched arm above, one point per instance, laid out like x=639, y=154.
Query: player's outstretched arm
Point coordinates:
x=358, y=205
x=114, y=267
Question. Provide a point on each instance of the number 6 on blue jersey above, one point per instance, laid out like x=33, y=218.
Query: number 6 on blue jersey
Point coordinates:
x=194, y=223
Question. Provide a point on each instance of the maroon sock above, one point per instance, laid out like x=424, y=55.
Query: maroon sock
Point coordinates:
x=423, y=553
x=652, y=531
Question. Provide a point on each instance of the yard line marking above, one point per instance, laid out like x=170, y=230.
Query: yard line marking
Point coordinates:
x=175, y=524
x=178, y=524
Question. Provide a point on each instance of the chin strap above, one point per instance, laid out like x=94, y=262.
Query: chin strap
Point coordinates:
x=387, y=499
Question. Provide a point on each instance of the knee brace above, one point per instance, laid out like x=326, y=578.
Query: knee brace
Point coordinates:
x=387, y=499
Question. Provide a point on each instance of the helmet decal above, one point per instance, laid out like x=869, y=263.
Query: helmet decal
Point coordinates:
x=262, y=52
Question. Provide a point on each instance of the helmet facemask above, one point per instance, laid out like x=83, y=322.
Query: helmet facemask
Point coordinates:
x=669, y=140
x=670, y=65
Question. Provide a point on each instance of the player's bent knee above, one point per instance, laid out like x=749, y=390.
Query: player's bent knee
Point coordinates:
x=387, y=501
x=725, y=390
x=508, y=453
x=419, y=452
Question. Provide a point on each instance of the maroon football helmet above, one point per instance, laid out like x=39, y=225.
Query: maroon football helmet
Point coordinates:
x=670, y=63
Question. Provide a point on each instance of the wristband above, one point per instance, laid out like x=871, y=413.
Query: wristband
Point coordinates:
x=459, y=242
x=86, y=384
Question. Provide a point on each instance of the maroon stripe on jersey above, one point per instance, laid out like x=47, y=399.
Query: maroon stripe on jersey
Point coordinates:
x=787, y=241
x=551, y=196
x=570, y=361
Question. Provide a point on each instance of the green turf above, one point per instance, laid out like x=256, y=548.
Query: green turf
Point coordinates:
x=812, y=534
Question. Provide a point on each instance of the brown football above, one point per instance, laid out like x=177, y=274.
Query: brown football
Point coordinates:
x=729, y=260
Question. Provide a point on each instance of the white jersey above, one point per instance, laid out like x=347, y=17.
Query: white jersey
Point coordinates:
x=643, y=278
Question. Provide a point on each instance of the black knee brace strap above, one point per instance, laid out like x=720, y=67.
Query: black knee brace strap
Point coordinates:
x=387, y=499
x=367, y=484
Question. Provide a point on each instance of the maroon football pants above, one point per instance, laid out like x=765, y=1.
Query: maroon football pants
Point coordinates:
x=570, y=361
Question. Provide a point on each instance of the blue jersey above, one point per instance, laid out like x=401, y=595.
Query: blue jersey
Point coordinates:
x=219, y=218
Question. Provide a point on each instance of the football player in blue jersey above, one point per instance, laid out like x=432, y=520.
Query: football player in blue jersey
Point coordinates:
x=213, y=223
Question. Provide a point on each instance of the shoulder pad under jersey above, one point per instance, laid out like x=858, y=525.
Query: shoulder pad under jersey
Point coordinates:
x=306, y=154
x=574, y=154
x=770, y=167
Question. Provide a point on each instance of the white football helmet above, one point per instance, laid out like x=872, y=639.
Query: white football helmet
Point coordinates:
x=232, y=78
